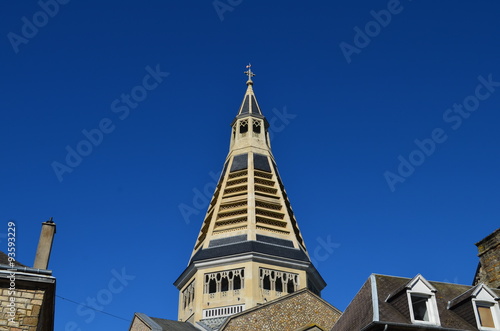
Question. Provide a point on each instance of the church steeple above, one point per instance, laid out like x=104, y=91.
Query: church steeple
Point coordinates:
x=249, y=249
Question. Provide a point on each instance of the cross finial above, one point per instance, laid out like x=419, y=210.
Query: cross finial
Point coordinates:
x=249, y=73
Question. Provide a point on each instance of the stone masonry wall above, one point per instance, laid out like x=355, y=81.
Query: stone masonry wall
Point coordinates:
x=289, y=313
x=489, y=258
x=27, y=303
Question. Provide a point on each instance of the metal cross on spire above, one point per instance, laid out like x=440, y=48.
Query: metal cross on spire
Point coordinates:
x=249, y=73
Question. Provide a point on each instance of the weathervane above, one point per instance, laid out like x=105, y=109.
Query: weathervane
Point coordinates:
x=249, y=72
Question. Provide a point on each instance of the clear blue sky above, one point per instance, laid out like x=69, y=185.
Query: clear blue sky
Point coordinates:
x=360, y=92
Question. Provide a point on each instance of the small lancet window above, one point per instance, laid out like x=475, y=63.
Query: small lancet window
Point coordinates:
x=279, y=284
x=244, y=126
x=290, y=288
x=212, y=286
x=224, y=284
x=237, y=283
x=266, y=283
x=256, y=126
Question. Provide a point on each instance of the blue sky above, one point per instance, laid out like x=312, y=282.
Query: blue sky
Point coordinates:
x=386, y=136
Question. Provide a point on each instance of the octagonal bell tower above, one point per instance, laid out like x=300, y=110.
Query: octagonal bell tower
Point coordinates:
x=249, y=249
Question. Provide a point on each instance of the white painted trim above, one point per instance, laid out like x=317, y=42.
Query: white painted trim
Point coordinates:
x=373, y=282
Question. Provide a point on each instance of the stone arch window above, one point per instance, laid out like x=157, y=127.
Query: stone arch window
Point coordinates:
x=279, y=284
x=278, y=281
x=290, y=286
x=237, y=282
x=243, y=127
x=266, y=282
x=256, y=126
x=212, y=286
x=224, y=281
x=224, y=284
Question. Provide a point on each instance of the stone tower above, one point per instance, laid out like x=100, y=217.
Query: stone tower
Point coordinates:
x=249, y=249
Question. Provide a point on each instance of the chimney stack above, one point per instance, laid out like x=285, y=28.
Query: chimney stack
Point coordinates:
x=489, y=260
x=45, y=245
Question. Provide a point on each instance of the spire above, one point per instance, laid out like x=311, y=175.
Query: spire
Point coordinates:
x=249, y=104
x=249, y=249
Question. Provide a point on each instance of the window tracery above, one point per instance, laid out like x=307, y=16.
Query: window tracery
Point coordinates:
x=224, y=281
x=278, y=281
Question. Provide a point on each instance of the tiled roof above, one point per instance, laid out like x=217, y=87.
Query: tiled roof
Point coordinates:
x=371, y=307
x=173, y=325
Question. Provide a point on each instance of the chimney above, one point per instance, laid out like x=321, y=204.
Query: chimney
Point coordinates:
x=45, y=245
x=489, y=260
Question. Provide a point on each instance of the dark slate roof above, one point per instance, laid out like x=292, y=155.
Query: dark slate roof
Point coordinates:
x=249, y=106
x=174, y=325
x=247, y=247
x=359, y=314
x=462, y=297
x=4, y=259
x=160, y=324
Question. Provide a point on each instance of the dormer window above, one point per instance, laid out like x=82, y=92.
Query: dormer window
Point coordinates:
x=486, y=308
x=422, y=301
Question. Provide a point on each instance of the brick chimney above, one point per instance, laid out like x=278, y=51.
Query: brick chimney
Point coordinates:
x=488, y=271
x=45, y=245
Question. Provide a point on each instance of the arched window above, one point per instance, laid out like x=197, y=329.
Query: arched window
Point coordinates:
x=244, y=127
x=290, y=287
x=266, y=283
x=256, y=126
x=237, y=283
x=224, y=284
x=279, y=284
x=212, y=286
